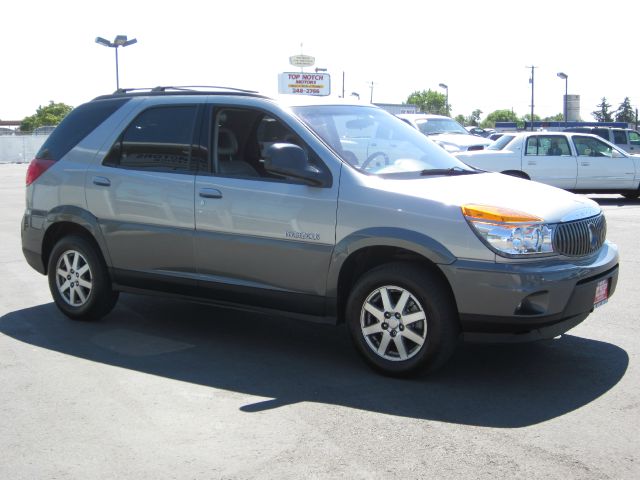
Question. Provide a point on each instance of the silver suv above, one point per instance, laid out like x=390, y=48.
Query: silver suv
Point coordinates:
x=296, y=206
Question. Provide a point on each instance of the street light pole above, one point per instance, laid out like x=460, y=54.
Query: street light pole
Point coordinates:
x=119, y=41
x=446, y=102
x=531, y=81
x=565, y=77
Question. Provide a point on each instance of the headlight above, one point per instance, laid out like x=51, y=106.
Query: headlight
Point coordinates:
x=509, y=232
x=449, y=147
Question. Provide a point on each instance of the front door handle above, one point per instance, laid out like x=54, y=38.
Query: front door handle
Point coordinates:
x=210, y=193
x=102, y=181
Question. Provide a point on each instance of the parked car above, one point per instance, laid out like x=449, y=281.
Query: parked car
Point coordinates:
x=445, y=131
x=295, y=206
x=44, y=130
x=625, y=138
x=481, y=132
x=574, y=161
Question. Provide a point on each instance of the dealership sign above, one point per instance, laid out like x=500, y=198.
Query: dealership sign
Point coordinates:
x=301, y=83
x=302, y=61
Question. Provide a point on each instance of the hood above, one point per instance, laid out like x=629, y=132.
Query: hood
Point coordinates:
x=460, y=139
x=549, y=203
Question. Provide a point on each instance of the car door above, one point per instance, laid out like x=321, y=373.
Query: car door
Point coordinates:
x=634, y=141
x=548, y=159
x=142, y=196
x=260, y=240
x=601, y=166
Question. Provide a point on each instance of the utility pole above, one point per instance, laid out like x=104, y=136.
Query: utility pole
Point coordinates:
x=531, y=81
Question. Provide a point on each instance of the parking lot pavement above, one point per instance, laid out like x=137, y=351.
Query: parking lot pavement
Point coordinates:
x=168, y=389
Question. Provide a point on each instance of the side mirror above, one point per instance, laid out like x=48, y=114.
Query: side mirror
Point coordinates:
x=291, y=161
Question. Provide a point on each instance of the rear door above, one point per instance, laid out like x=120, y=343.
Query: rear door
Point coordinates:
x=142, y=194
x=549, y=159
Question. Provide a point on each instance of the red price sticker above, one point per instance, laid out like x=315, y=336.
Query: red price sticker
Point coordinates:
x=602, y=293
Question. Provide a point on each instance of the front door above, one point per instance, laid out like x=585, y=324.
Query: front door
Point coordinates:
x=260, y=239
x=601, y=167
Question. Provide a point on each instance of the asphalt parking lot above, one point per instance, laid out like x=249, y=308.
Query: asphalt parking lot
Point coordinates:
x=167, y=389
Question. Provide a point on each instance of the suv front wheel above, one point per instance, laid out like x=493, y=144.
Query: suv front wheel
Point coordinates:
x=78, y=280
x=402, y=319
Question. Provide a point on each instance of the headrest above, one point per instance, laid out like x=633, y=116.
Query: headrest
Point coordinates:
x=227, y=142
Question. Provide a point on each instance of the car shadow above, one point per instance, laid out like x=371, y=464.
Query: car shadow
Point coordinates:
x=285, y=362
x=615, y=201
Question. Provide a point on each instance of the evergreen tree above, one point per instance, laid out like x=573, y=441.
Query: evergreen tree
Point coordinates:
x=625, y=112
x=603, y=114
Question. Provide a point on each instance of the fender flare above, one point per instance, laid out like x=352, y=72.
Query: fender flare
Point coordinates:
x=82, y=218
x=410, y=240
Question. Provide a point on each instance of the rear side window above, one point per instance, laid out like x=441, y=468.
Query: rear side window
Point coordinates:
x=601, y=132
x=619, y=137
x=77, y=125
x=158, y=139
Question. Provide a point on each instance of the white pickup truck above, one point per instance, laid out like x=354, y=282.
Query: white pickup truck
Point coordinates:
x=574, y=161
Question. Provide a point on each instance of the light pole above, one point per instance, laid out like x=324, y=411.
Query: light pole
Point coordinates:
x=565, y=77
x=446, y=102
x=119, y=41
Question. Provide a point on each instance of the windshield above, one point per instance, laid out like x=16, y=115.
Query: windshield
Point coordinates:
x=501, y=143
x=433, y=126
x=374, y=141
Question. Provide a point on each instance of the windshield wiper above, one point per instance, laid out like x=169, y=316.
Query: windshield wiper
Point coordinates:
x=437, y=132
x=447, y=171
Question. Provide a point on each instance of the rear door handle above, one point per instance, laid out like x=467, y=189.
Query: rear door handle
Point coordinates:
x=210, y=193
x=102, y=181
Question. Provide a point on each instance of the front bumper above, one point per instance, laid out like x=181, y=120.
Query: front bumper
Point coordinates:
x=529, y=300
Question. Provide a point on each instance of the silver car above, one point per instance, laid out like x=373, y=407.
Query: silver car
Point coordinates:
x=297, y=206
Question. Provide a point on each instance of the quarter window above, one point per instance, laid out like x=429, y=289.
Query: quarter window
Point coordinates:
x=634, y=138
x=158, y=139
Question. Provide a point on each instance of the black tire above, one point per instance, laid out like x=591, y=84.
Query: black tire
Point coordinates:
x=517, y=174
x=79, y=280
x=425, y=344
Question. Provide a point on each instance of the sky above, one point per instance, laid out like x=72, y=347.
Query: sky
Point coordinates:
x=481, y=50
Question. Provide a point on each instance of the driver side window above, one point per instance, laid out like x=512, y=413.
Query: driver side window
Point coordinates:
x=591, y=147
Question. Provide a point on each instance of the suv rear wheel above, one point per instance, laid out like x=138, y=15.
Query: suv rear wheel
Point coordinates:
x=79, y=281
x=402, y=319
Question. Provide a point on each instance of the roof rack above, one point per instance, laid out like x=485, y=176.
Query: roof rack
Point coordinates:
x=181, y=90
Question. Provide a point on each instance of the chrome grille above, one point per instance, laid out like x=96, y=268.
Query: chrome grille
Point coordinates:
x=581, y=237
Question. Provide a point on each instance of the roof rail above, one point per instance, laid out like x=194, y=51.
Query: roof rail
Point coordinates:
x=182, y=88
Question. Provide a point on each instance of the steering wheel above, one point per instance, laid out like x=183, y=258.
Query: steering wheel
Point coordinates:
x=372, y=157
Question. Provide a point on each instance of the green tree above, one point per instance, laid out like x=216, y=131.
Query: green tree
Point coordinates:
x=461, y=120
x=603, y=114
x=51, y=114
x=474, y=118
x=499, y=116
x=429, y=101
x=558, y=117
x=625, y=112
